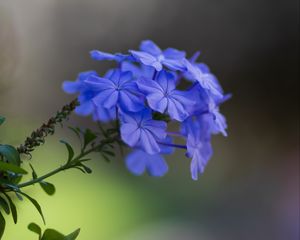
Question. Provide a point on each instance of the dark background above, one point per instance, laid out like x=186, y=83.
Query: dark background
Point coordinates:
x=250, y=189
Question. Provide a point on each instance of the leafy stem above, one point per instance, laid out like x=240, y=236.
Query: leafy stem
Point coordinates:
x=73, y=163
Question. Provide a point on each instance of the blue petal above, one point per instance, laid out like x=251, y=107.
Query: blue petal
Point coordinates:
x=157, y=128
x=85, y=108
x=103, y=97
x=136, y=162
x=157, y=101
x=103, y=114
x=176, y=110
x=164, y=149
x=175, y=65
x=100, y=56
x=148, y=142
x=147, y=59
x=167, y=81
x=149, y=86
x=71, y=86
x=156, y=166
x=84, y=75
x=130, y=102
x=150, y=47
x=203, y=67
x=130, y=133
x=172, y=53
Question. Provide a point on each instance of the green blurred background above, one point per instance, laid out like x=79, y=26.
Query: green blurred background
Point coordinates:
x=250, y=189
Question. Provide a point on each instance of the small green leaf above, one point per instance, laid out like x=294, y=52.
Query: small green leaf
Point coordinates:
x=36, y=204
x=33, y=227
x=4, y=205
x=105, y=158
x=86, y=169
x=12, y=168
x=110, y=153
x=77, y=131
x=81, y=170
x=51, y=234
x=11, y=154
x=49, y=188
x=2, y=225
x=34, y=175
x=89, y=136
x=2, y=120
x=70, y=150
x=73, y=235
x=13, y=208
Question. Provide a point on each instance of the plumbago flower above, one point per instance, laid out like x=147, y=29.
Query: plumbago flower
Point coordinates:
x=148, y=90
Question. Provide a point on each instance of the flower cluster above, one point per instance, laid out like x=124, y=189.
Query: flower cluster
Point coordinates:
x=149, y=89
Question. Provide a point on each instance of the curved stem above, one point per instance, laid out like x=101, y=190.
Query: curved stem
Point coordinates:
x=67, y=165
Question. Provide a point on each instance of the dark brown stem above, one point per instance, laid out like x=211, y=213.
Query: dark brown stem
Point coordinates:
x=38, y=136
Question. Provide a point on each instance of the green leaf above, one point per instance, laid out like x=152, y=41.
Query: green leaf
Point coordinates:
x=36, y=204
x=2, y=120
x=70, y=150
x=4, y=205
x=34, y=175
x=89, y=136
x=2, y=225
x=51, y=234
x=73, y=235
x=33, y=227
x=86, y=169
x=105, y=158
x=110, y=153
x=12, y=168
x=77, y=131
x=13, y=208
x=11, y=154
x=49, y=188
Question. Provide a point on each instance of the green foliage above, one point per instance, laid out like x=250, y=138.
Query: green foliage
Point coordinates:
x=35, y=203
x=33, y=227
x=49, y=188
x=2, y=225
x=10, y=154
x=70, y=150
x=13, y=208
x=2, y=120
x=51, y=234
x=11, y=171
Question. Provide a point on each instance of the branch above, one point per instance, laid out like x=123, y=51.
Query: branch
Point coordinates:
x=76, y=162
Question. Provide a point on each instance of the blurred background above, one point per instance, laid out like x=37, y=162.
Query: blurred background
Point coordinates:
x=250, y=189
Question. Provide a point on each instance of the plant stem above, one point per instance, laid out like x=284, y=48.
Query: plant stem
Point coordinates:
x=69, y=164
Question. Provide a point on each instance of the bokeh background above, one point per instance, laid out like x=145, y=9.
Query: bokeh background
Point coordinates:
x=250, y=189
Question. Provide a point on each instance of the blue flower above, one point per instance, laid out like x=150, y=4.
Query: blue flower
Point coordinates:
x=77, y=85
x=140, y=91
x=117, y=90
x=202, y=66
x=139, y=161
x=85, y=97
x=206, y=80
x=139, y=130
x=162, y=96
x=198, y=146
x=152, y=55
